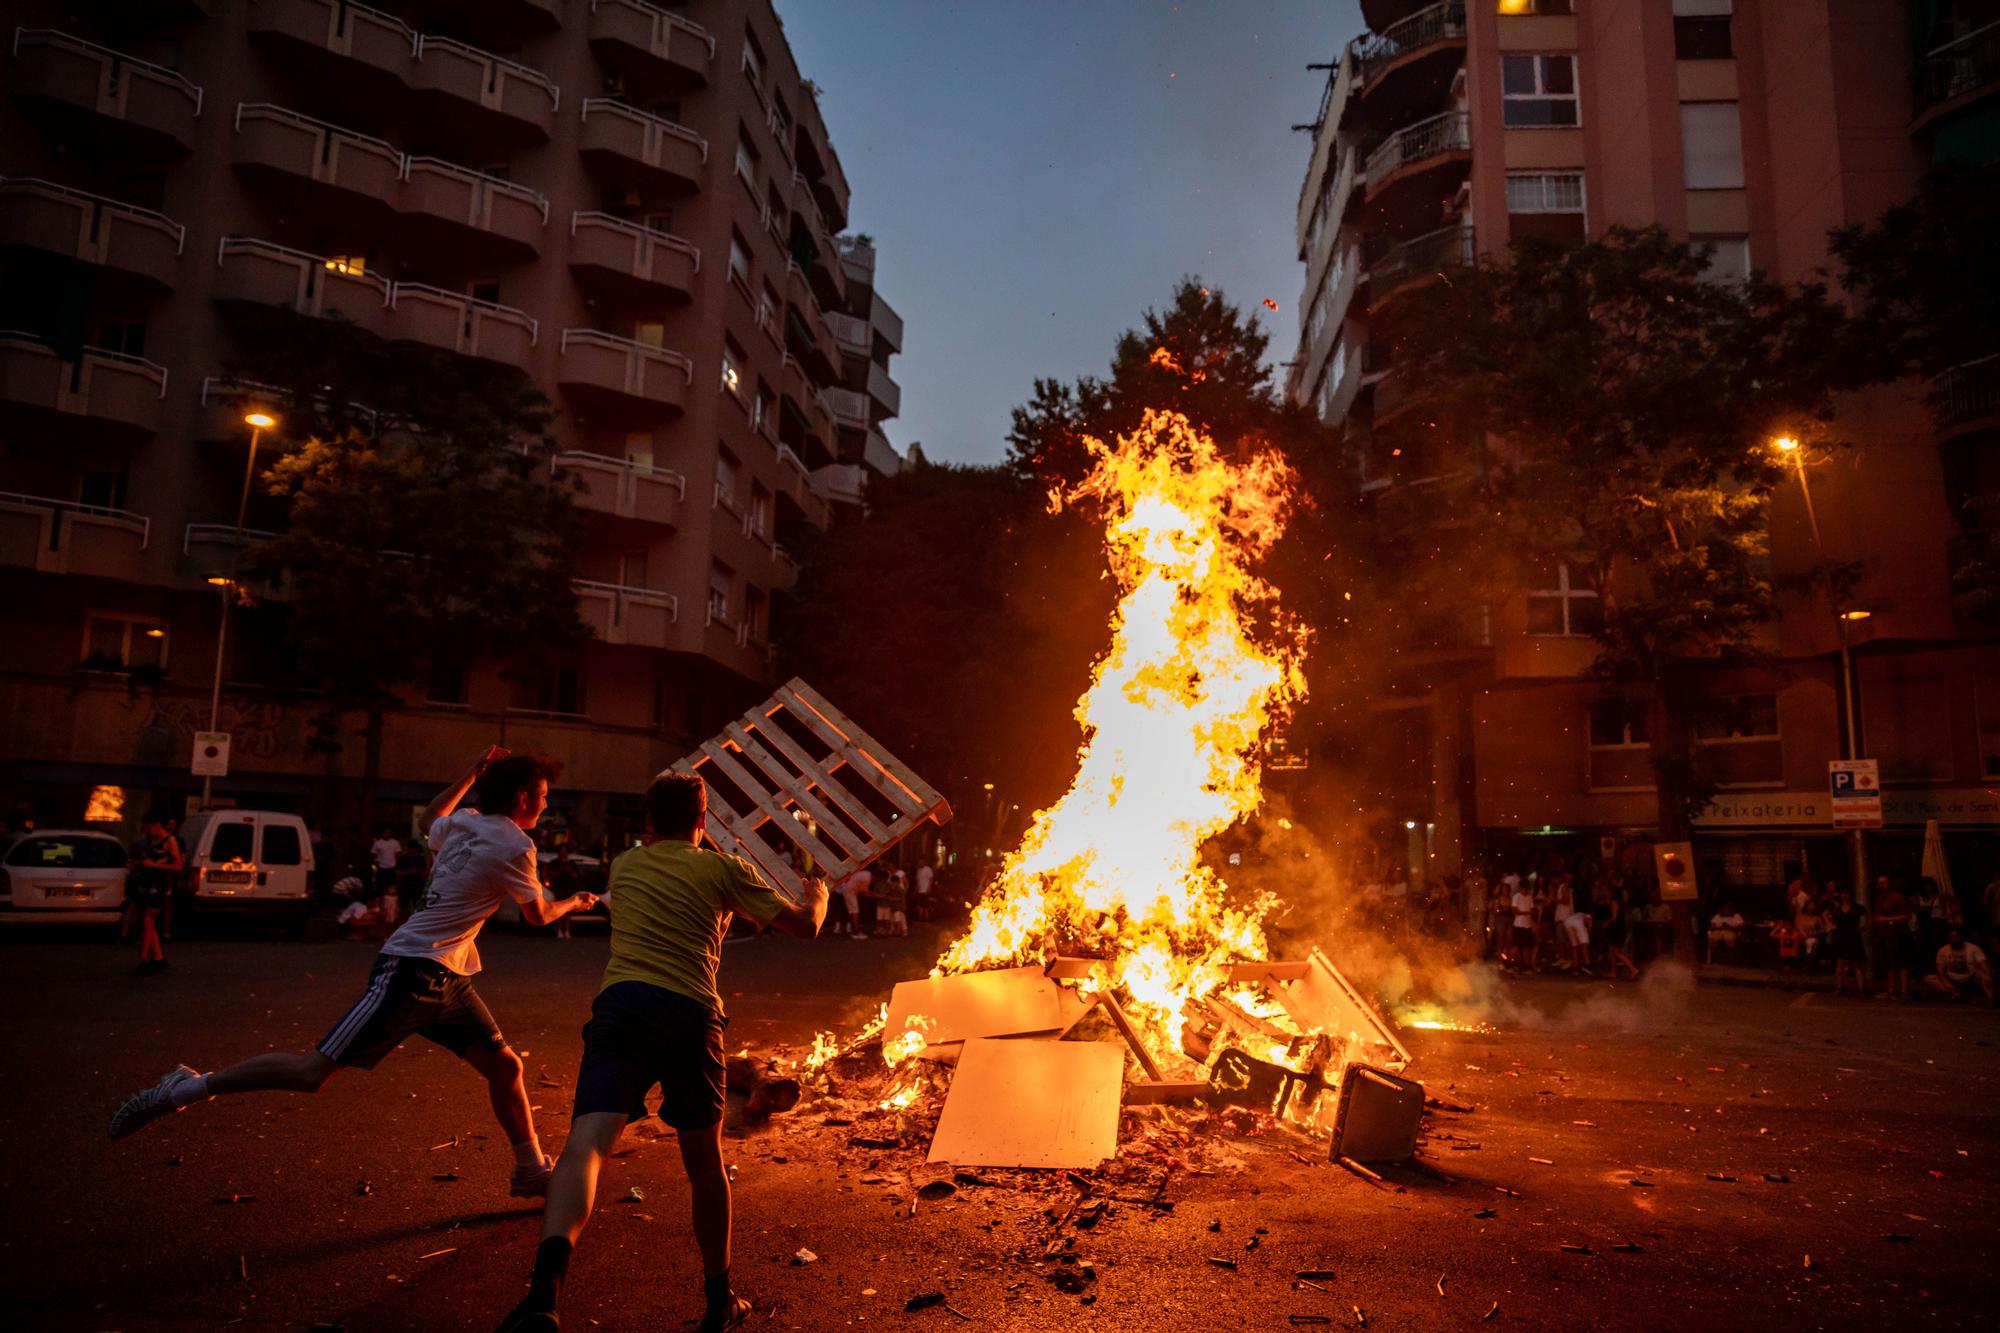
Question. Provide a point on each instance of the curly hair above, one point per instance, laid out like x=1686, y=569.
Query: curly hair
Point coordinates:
x=498, y=785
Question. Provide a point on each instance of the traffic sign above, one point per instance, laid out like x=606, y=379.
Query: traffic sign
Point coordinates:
x=1856, y=785
x=211, y=754
x=1673, y=863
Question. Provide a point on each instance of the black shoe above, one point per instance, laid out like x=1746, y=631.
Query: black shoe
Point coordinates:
x=724, y=1316
x=526, y=1319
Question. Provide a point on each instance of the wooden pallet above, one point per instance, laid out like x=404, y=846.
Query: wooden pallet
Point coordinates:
x=795, y=773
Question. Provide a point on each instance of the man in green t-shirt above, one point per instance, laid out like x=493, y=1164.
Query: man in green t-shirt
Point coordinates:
x=658, y=1020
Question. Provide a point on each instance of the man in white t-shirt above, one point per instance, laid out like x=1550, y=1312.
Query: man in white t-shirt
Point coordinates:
x=1523, y=904
x=421, y=984
x=923, y=887
x=382, y=854
x=852, y=890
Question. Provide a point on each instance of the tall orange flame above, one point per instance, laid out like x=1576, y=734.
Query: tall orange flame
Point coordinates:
x=1172, y=725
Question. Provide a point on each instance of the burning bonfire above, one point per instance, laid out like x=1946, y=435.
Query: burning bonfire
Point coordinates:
x=1106, y=904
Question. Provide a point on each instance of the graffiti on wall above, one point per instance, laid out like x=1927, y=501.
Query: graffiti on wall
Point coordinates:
x=167, y=734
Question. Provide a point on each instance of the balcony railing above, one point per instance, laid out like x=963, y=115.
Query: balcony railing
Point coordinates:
x=611, y=126
x=492, y=84
x=618, y=613
x=850, y=332
x=631, y=251
x=886, y=322
x=263, y=272
x=623, y=487
x=1416, y=143
x=64, y=537
x=369, y=37
x=884, y=390
x=1374, y=50
x=91, y=228
x=848, y=407
x=474, y=200
x=315, y=150
x=148, y=97
x=1960, y=66
x=460, y=323
x=636, y=370
x=1445, y=248
x=1969, y=391
x=673, y=43
x=98, y=385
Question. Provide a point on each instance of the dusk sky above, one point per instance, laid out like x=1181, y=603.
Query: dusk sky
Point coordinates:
x=1037, y=174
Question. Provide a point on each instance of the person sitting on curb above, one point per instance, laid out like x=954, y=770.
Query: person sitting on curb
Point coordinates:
x=1962, y=971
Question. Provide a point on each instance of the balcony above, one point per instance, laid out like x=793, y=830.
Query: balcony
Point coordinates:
x=616, y=613
x=857, y=260
x=624, y=261
x=109, y=388
x=1968, y=396
x=828, y=274
x=888, y=325
x=795, y=488
x=850, y=333
x=654, y=50
x=472, y=210
x=815, y=339
x=842, y=483
x=634, y=374
x=1417, y=261
x=849, y=409
x=804, y=400
x=641, y=148
x=143, y=104
x=1407, y=66
x=224, y=403
x=1960, y=72
x=333, y=167
x=455, y=322
x=503, y=23
x=215, y=550
x=366, y=54
x=1440, y=139
x=62, y=537
x=888, y=395
x=258, y=272
x=134, y=243
x=623, y=488
x=481, y=97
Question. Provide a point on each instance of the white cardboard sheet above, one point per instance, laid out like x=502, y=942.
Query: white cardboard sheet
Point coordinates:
x=1032, y=1103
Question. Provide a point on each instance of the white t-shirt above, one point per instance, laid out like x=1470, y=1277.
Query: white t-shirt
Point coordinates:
x=477, y=861
x=923, y=881
x=1524, y=908
x=853, y=887
x=1962, y=964
x=385, y=851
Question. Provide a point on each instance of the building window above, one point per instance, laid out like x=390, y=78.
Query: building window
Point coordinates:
x=1738, y=742
x=767, y=309
x=1728, y=257
x=125, y=336
x=1711, y=146
x=732, y=363
x=102, y=490
x=1545, y=203
x=1538, y=92
x=720, y=577
x=739, y=261
x=759, y=517
x=764, y=409
x=1564, y=606
x=352, y=266
x=746, y=161
x=484, y=289
x=728, y=476
x=1620, y=753
x=114, y=642
x=1703, y=37
x=753, y=60
x=447, y=683
x=548, y=688
x=756, y=614
x=1511, y=8
x=1986, y=703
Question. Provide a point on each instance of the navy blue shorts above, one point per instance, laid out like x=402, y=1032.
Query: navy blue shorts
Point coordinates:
x=640, y=1036
x=411, y=997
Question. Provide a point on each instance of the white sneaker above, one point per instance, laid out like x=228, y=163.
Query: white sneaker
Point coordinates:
x=529, y=1181
x=144, y=1107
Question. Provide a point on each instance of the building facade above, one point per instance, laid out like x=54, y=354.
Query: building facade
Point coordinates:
x=637, y=206
x=1450, y=129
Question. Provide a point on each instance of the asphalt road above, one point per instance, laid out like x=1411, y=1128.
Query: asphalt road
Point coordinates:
x=1879, y=1119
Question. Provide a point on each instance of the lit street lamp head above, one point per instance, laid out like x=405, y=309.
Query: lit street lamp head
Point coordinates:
x=1786, y=444
x=261, y=420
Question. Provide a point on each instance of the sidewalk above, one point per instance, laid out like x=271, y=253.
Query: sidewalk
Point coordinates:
x=1778, y=978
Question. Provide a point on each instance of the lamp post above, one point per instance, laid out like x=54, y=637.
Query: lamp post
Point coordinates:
x=1850, y=738
x=258, y=422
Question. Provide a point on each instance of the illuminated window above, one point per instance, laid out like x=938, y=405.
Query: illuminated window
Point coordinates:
x=732, y=363
x=1538, y=92
x=1510, y=8
x=114, y=642
x=1564, y=606
x=106, y=806
x=353, y=266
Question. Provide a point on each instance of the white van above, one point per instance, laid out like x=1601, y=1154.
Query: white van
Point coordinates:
x=257, y=861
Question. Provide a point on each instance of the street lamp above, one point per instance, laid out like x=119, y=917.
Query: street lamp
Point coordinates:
x=1842, y=618
x=258, y=421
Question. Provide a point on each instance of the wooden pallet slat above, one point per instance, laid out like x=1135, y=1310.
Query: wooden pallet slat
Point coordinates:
x=807, y=798
x=846, y=743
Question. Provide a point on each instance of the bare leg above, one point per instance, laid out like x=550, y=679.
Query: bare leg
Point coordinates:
x=573, y=1188
x=502, y=1071
x=277, y=1071
x=708, y=1185
x=149, y=936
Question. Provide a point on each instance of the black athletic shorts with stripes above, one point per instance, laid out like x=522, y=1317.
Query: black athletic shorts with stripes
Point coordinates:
x=640, y=1036
x=411, y=997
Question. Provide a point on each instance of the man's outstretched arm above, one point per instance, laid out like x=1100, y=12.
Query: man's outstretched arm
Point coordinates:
x=804, y=920
x=447, y=800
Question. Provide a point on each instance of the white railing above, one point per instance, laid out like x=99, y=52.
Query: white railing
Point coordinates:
x=621, y=592
x=1434, y=251
x=99, y=203
x=494, y=64
x=638, y=231
x=1960, y=65
x=846, y=405
x=56, y=38
x=122, y=517
x=151, y=370
x=221, y=534
x=848, y=330
x=788, y=459
x=581, y=458
x=467, y=304
x=1415, y=143
x=478, y=180
x=671, y=20
x=645, y=120
x=1440, y=22
x=318, y=265
x=329, y=133
x=628, y=346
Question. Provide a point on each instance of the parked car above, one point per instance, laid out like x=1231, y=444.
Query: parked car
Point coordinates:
x=249, y=861
x=63, y=875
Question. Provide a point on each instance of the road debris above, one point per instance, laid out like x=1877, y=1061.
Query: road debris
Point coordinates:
x=1777, y=1178
x=449, y=1249
x=243, y=1267
x=1627, y=1247
x=1727, y=1180
x=451, y=1142
x=1220, y=1262
x=362, y=1189
x=804, y=1257
x=934, y=1190
x=1899, y=1237
x=1577, y=1249
x=1542, y=1161
x=1441, y=1278
x=1314, y=1275
x=446, y=1176
x=1487, y=1212
x=235, y=1198
x=1297, y=1320
x=1510, y=1193
x=1490, y=1314
x=633, y=1195
x=923, y=1302
x=1360, y=1316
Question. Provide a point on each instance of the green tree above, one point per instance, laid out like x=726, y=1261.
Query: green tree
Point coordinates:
x=422, y=524
x=1608, y=406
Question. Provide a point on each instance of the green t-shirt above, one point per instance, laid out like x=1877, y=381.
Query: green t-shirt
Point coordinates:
x=670, y=907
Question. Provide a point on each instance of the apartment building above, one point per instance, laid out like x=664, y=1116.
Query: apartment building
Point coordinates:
x=1449, y=129
x=638, y=206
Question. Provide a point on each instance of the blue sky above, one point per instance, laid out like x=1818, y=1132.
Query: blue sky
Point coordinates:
x=1037, y=173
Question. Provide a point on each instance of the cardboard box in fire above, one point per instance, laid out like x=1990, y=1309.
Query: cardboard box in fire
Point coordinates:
x=797, y=789
x=1021, y=1096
